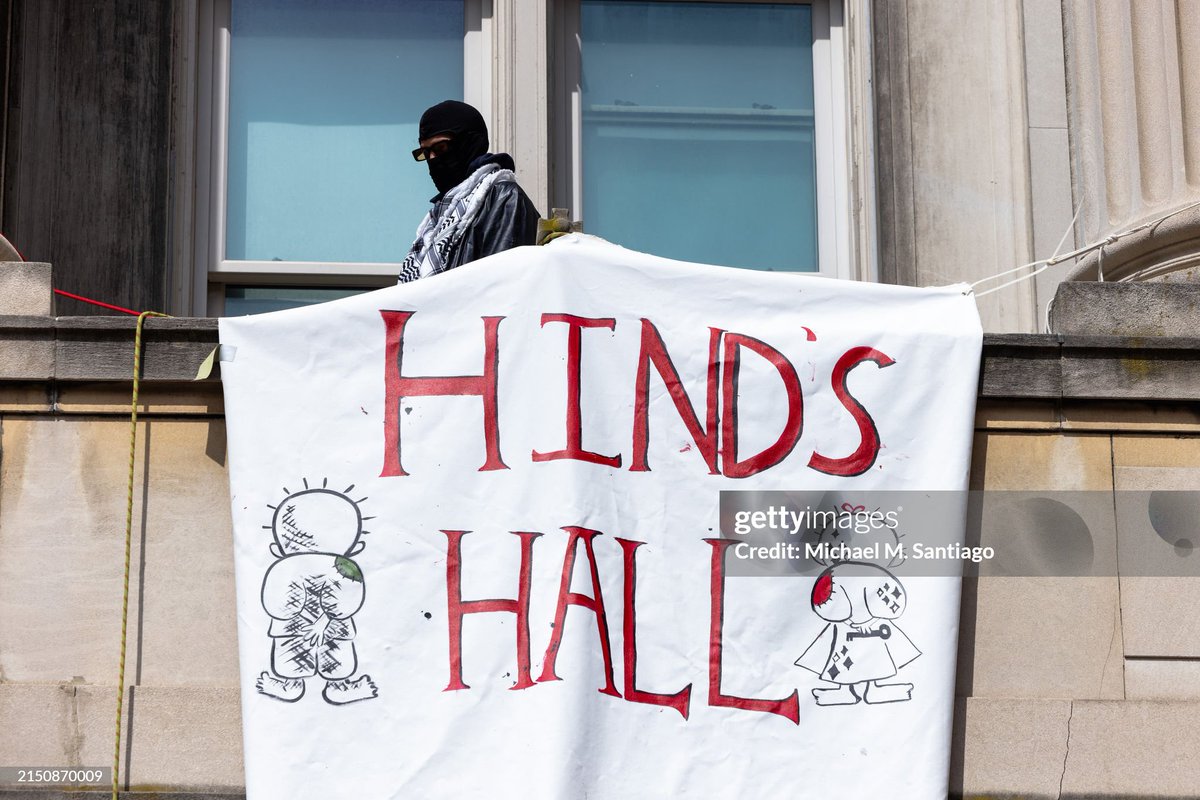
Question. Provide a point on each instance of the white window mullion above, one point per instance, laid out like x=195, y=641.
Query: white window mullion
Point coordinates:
x=833, y=206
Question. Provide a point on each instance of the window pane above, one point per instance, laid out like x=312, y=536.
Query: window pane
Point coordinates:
x=698, y=131
x=324, y=99
x=241, y=300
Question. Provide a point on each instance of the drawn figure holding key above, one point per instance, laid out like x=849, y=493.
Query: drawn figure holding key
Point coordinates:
x=858, y=648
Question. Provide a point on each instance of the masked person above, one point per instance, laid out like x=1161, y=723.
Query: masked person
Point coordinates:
x=479, y=209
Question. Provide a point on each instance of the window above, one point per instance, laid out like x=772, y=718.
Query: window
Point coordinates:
x=704, y=130
x=709, y=131
x=313, y=109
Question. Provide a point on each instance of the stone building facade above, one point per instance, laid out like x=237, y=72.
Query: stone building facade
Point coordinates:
x=963, y=139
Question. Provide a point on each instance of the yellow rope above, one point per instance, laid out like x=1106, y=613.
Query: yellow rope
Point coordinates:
x=137, y=370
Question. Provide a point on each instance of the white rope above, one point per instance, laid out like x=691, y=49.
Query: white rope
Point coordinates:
x=1008, y=272
x=1045, y=263
x=1067, y=232
x=1061, y=242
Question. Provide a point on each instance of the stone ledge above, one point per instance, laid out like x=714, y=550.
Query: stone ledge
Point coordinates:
x=101, y=348
x=1077, y=367
x=1052, y=367
x=1019, y=365
x=58, y=794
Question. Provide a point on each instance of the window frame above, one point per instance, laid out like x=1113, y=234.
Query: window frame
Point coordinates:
x=521, y=69
x=200, y=221
x=834, y=218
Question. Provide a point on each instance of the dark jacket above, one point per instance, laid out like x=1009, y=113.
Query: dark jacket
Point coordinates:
x=507, y=219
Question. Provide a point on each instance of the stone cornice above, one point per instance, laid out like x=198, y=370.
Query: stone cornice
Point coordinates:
x=1076, y=367
x=99, y=350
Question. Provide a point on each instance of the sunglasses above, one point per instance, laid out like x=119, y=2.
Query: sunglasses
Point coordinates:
x=435, y=150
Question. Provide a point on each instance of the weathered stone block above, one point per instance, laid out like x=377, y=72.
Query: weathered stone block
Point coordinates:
x=1008, y=748
x=193, y=399
x=1162, y=679
x=1161, y=573
x=189, y=627
x=1133, y=749
x=1130, y=368
x=25, y=288
x=1133, y=308
x=25, y=397
x=1025, y=637
x=1156, y=451
x=1159, y=616
x=57, y=725
x=1131, y=417
x=1041, y=638
x=62, y=523
x=186, y=738
x=1023, y=461
x=1016, y=415
x=26, y=348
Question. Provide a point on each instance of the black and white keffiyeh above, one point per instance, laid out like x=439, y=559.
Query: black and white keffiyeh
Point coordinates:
x=438, y=237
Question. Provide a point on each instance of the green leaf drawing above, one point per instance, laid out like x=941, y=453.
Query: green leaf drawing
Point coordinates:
x=348, y=569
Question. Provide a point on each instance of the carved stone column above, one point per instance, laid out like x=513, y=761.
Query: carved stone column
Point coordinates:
x=1133, y=87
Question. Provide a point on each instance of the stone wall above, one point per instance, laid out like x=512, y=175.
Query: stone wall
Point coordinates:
x=1072, y=687
x=1080, y=687
x=63, y=477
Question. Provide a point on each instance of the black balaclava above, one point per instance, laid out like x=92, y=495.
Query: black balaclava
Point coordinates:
x=469, y=131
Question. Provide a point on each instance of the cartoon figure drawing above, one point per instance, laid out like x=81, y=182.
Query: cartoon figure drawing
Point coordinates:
x=861, y=645
x=312, y=593
x=860, y=528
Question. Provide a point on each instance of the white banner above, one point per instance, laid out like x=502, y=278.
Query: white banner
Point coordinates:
x=478, y=542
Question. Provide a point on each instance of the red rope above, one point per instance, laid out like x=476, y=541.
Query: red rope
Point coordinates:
x=96, y=302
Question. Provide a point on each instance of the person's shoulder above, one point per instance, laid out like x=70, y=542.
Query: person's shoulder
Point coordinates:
x=509, y=193
x=505, y=191
x=506, y=187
